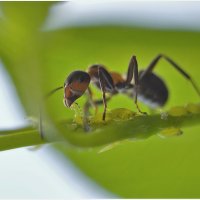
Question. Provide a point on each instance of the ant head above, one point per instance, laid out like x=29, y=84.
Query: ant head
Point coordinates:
x=75, y=86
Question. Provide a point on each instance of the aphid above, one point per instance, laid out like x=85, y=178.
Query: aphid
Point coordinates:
x=147, y=86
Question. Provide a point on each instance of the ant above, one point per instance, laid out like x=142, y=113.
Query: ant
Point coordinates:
x=147, y=87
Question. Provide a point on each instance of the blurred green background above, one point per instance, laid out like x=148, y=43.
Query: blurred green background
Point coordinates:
x=39, y=61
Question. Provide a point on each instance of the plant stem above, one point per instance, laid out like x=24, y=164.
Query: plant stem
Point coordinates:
x=19, y=138
x=140, y=127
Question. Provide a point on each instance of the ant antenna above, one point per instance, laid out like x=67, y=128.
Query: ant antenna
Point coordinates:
x=53, y=91
x=195, y=86
x=40, y=127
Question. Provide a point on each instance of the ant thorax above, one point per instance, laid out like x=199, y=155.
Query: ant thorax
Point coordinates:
x=128, y=90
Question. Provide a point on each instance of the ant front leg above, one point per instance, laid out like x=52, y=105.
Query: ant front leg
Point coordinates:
x=89, y=102
x=106, y=85
x=100, y=101
x=153, y=63
x=133, y=71
x=95, y=103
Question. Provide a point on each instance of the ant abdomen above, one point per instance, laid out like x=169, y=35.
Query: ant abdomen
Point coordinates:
x=152, y=90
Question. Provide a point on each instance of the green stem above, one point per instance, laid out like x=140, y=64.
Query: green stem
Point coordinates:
x=19, y=138
x=140, y=127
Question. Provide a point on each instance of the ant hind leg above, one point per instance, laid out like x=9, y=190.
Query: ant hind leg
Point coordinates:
x=154, y=62
x=133, y=73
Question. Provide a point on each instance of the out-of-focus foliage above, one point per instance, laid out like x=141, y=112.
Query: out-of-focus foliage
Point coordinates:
x=20, y=47
x=39, y=61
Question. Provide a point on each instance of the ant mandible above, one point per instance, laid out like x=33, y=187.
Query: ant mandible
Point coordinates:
x=147, y=87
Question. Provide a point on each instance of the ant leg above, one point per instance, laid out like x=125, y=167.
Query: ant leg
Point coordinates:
x=105, y=82
x=176, y=66
x=85, y=117
x=138, y=108
x=105, y=104
x=133, y=71
x=86, y=108
x=102, y=85
x=92, y=102
x=96, y=103
x=100, y=101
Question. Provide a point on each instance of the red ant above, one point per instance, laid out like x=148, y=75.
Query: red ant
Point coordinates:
x=147, y=86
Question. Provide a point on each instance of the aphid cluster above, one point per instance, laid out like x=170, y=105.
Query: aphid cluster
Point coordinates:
x=143, y=85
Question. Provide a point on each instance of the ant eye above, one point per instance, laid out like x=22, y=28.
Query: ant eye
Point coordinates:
x=81, y=79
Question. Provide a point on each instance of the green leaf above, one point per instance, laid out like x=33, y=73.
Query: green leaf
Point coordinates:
x=40, y=61
x=20, y=48
x=120, y=125
x=152, y=168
